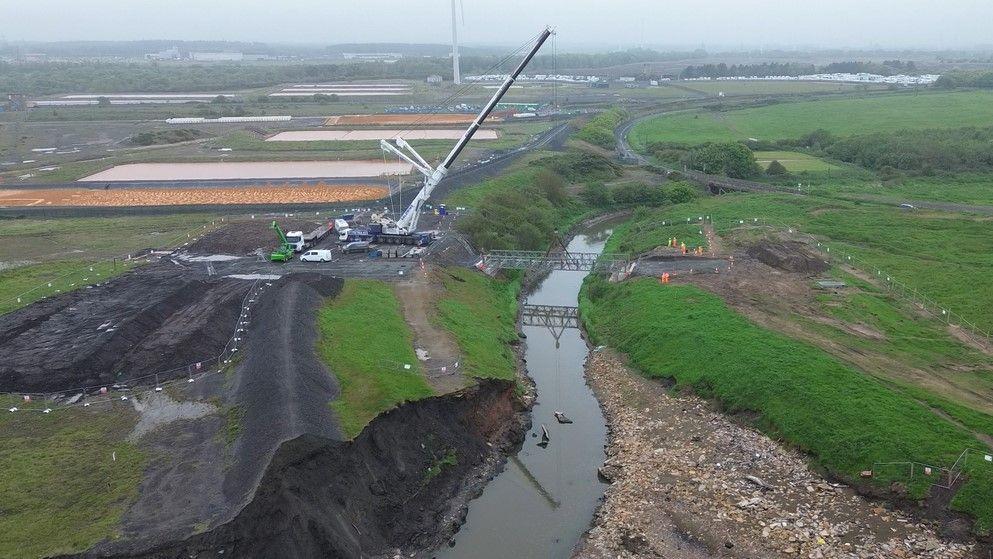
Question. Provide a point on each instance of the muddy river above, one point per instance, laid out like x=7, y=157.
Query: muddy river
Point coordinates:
x=249, y=170
x=543, y=501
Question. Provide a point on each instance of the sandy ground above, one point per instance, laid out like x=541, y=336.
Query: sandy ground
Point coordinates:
x=249, y=170
x=403, y=119
x=418, y=298
x=689, y=482
x=185, y=196
x=385, y=134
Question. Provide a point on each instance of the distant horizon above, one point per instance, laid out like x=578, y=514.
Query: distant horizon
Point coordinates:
x=581, y=24
x=591, y=48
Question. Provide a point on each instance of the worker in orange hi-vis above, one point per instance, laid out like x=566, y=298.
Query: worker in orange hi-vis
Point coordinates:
x=665, y=277
x=682, y=247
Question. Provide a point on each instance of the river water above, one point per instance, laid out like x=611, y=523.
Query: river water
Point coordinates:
x=543, y=501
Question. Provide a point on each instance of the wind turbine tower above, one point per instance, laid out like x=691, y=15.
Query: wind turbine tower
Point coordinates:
x=456, y=75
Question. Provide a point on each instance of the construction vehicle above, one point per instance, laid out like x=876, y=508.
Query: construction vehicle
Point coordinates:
x=402, y=231
x=284, y=251
x=302, y=241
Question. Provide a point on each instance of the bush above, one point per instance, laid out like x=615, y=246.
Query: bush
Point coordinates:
x=776, y=169
x=599, y=131
x=597, y=195
x=681, y=192
x=576, y=166
x=552, y=187
x=732, y=159
x=166, y=137
x=639, y=194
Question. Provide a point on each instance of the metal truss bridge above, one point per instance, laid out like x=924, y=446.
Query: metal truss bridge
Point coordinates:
x=571, y=261
x=557, y=318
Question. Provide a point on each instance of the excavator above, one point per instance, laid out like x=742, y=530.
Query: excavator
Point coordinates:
x=284, y=252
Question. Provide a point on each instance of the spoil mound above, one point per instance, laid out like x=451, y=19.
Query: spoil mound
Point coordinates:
x=147, y=321
x=246, y=237
x=389, y=488
x=789, y=256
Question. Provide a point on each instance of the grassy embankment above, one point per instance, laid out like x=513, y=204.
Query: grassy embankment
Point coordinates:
x=959, y=188
x=846, y=420
x=368, y=356
x=63, y=251
x=481, y=314
x=599, y=131
x=67, y=479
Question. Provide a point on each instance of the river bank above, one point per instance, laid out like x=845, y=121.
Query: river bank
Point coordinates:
x=689, y=482
x=546, y=494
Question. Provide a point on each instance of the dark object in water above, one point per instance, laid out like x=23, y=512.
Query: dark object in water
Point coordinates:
x=561, y=418
x=544, y=437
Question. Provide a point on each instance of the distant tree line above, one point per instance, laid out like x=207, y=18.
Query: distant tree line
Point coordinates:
x=765, y=69
x=952, y=80
x=918, y=151
x=104, y=77
x=39, y=78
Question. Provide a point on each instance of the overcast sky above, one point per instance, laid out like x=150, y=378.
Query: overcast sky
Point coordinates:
x=616, y=23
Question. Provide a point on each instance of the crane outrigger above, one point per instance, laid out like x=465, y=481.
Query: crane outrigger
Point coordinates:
x=407, y=223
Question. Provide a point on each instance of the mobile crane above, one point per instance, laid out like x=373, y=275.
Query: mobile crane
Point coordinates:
x=284, y=251
x=402, y=231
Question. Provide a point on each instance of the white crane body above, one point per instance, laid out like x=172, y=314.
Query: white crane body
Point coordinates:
x=407, y=223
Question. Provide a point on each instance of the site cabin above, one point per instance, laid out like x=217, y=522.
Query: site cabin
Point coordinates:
x=316, y=256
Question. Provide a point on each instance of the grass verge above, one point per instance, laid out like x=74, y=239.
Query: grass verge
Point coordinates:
x=66, y=480
x=481, y=314
x=365, y=343
x=24, y=285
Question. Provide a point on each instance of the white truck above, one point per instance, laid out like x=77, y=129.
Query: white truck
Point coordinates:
x=302, y=241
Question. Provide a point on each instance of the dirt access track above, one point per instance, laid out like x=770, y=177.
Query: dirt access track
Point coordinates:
x=132, y=197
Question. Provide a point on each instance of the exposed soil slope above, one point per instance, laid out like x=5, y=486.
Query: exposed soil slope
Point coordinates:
x=150, y=320
x=389, y=488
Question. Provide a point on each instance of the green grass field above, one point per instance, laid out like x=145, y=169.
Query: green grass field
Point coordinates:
x=67, y=478
x=947, y=256
x=368, y=356
x=770, y=87
x=883, y=113
x=481, y=314
x=74, y=252
x=24, y=285
x=794, y=161
x=843, y=418
x=516, y=177
x=963, y=188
